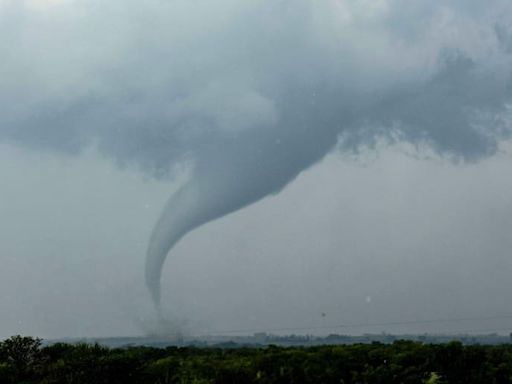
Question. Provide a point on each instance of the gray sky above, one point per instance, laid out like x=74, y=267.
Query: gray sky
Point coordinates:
x=367, y=141
x=424, y=239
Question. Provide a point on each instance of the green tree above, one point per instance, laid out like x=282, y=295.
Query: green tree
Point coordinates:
x=22, y=357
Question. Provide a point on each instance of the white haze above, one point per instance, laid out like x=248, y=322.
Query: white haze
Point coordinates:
x=243, y=97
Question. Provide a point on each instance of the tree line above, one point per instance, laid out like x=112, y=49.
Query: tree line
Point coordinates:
x=26, y=360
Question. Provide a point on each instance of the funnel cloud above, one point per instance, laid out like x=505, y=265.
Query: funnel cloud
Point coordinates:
x=246, y=96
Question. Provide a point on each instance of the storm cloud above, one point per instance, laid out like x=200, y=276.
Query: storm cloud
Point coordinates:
x=247, y=95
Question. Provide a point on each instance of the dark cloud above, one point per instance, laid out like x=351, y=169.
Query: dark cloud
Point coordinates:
x=249, y=95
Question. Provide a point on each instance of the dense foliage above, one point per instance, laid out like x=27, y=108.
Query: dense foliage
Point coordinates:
x=24, y=360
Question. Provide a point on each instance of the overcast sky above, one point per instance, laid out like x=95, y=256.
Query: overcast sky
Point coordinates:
x=348, y=158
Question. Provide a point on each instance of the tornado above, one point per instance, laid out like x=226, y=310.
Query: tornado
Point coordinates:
x=250, y=94
x=235, y=173
x=195, y=204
